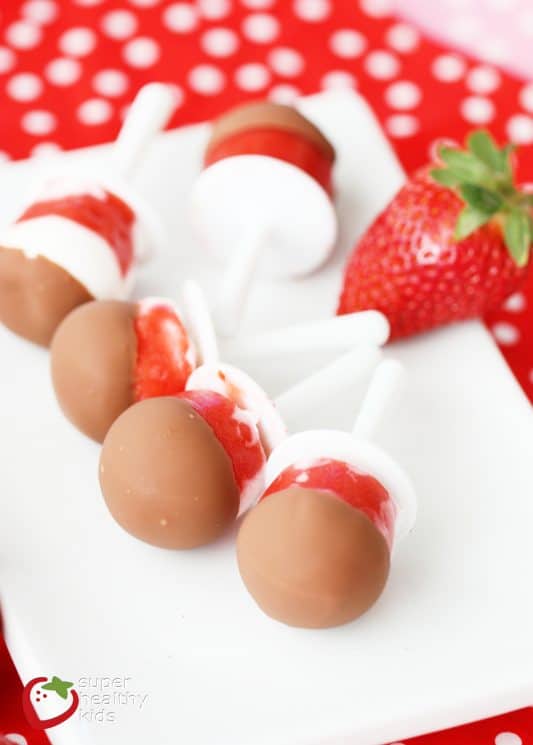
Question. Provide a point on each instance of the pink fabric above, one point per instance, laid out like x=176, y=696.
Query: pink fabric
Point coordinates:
x=497, y=31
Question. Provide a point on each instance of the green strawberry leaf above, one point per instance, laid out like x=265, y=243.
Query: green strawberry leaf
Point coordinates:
x=445, y=176
x=507, y=164
x=464, y=165
x=469, y=220
x=483, y=146
x=481, y=199
x=482, y=174
x=518, y=236
x=61, y=687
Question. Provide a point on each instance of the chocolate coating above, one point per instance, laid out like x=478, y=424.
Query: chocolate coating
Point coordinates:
x=35, y=295
x=268, y=115
x=311, y=560
x=165, y=477
x=93, y=356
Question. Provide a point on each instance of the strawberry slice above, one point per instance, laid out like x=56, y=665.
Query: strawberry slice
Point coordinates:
x=105, y=214
x=236, y=432
x=359, y=490
x=47, y=703
x=166, y=355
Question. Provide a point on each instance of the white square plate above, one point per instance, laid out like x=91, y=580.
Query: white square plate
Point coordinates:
x=449, y=641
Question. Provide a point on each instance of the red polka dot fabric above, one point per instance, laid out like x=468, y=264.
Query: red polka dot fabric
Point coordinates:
x=69, y=69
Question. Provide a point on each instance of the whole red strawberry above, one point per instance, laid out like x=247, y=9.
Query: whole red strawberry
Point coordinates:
x=452, y=244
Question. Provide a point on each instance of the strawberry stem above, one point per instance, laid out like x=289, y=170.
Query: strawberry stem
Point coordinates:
x=482, y=174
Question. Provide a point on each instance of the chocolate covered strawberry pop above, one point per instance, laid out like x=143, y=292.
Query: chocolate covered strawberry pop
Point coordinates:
x=176, y=471
x=315, y=551
x=264, y=196
x=82, y=236
x=107, y=355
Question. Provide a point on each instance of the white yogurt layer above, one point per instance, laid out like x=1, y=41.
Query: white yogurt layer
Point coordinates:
x=292, y=211
x=304, y=449
x=239, y=387
x=83, y=253
x=147, y=305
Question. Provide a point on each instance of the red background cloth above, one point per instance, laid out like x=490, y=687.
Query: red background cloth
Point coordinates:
x=68, y=69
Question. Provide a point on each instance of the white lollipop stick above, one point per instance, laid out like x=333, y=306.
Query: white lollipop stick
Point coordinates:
x=147, y=115
x=347, y=331
x=383, y=387
x=320, y=386
x=199, y=322
x=237, y=281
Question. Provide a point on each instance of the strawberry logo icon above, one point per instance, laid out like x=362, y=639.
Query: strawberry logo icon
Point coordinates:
x=48, y=702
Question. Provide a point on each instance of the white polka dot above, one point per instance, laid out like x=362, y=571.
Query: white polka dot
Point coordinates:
x=312, y=11
x=382, y=65
x=252, y=77
x=141, y=52
x=214, y=10
x=347, y=43
x=402, y=37
x=258, y=4
x=110, y=83
x=4, y=157
x=78, y=42
x=377, y=8
x=483, y=79
x=7, y=59
x=24, y=87
x=16, y=739
x=180, y=18
x=260, y=28
x=526, y=97
x=23, y=35
x=286, y=62
x=435, y=145
x=95, y=111
x=338, y=80
x=284, y=93
x=38, y=122
x=144, y=3
x=207, y=80
x=520, y=129
x=402, y=125
x=45, y=150
x=119, y=24
x=40, y=11
x=505, y=334
x=448, y=68
x=477, y=110
x=220, y=42
x=515, y=303
x=63, y=71
x=403, y=95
